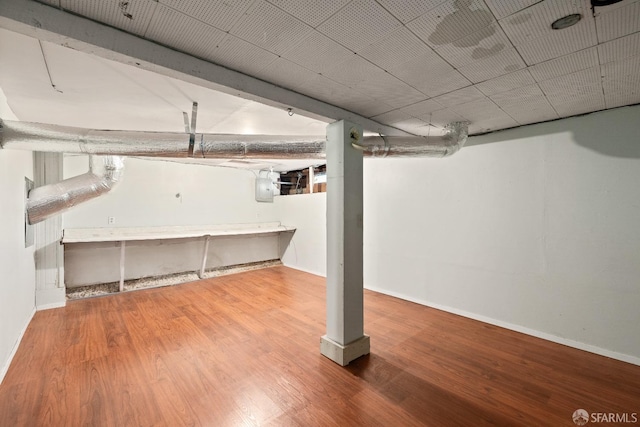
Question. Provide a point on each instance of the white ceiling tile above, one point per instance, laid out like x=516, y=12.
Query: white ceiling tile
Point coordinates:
x=367, y=78
x=423, y=110
x=445, y=116
x=503, y=121
x=270, y=28
x=619, y=21
x=52, y=2
x=327, y=90
x=362, y=104
x=318, y=52
x=359, y=24
x=478, y=110
x=220, y=14
x=392, y=117
x=354, y=71
x=507, y=82
x=430, y=75
x=535, y=21
x=506, y=61
x=568, y=64
x=237, y=54
x=621, y=82
x=618, y=49
x=396, y=48
x=312, y=12
x=286, y=74
x=130, y=16
x=482, y=44
x=526, y=104
x=567, y=93
x=502, y=8
x=451, y=22
x=416, y=127
x=461, y=96
x=407, y=10
x=195, y=37
x=530, y=30
x=581, y=106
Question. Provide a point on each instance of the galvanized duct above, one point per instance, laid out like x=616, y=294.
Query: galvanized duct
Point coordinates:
x=49, y=200
x=403, y=146
x=63, y=139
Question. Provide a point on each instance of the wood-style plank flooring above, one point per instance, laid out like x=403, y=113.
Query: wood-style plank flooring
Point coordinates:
x=244, y=350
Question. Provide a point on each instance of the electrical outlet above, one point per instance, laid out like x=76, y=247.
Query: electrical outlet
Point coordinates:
x=111, y=220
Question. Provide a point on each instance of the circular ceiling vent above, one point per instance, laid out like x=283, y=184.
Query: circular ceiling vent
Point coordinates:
x=566, y=21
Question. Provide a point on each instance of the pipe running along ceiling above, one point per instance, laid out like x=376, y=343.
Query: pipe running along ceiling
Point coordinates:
x=64, y=139
x=106, y=171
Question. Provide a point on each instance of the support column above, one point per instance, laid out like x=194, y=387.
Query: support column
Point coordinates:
x=345, y=339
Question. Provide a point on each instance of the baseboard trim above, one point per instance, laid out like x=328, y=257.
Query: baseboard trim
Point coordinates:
x=315, y=273
x=5, y=367
x=538, y=334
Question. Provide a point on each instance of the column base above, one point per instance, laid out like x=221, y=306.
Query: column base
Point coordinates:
x=343, y=354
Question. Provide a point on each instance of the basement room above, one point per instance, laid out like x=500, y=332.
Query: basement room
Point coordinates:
x=319, y=213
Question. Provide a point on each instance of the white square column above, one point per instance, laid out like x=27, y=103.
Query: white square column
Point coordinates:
x=345, y=339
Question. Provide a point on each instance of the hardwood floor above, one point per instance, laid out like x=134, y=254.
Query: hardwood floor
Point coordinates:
x=244, y=350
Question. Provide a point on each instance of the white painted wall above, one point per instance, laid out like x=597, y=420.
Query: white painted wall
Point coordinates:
x=147, y=196
x=17, y=268
x=307, y=250
x=535, y=229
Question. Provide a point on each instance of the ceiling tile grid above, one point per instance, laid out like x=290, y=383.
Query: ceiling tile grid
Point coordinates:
x=129, y=16
x=423, y=110
x=407, y=10
x=621, y=82
x=392, y=117
x=270, y=28
x=619, y=49
x=482, y=44
x=614, y=22
x=445, y=116
x=237, y=54
x=575, y=93
x=318, y=52
x=312, y=12
x=504, y=62
x=502, y=8
x=359, y=24
x=506, y=82
x=286, y=74
x=568, y=64
x=479, y=110
x=451, y=21
x=530, y=30
x=460, y=96
x=196, y=38
x=526, y=104
x=220, y=14
x=416, y=127
x=396, y=49
x=431, y=76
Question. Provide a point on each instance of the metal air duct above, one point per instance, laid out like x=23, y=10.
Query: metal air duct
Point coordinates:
x=64, y=139
x=49, y=200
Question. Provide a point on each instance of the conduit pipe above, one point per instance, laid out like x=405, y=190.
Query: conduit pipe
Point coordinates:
x=49, y=200
x=63, y=139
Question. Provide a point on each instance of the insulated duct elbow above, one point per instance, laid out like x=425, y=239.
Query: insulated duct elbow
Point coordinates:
x=49, y=200
x=415, y=146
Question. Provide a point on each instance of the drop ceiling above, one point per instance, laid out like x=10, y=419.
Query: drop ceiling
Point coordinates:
x=412, y=64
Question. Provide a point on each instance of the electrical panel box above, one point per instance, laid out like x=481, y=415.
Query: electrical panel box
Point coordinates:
x=264, y=190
